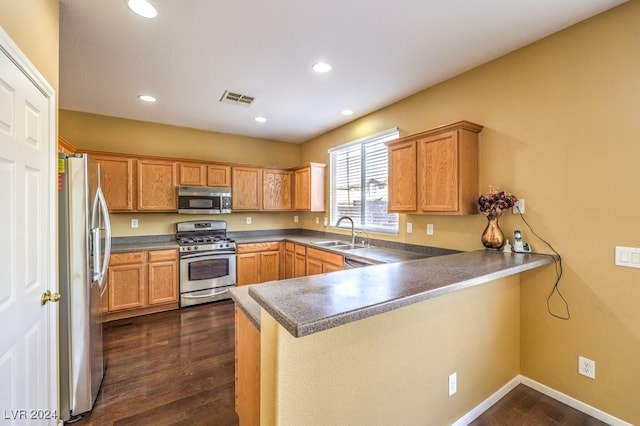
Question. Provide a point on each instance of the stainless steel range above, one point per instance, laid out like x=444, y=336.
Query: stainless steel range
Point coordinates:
x=207, y=261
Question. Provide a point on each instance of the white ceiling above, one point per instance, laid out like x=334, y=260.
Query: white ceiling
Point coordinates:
x=381, y=52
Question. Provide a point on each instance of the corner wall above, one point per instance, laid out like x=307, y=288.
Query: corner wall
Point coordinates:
x=561, y=131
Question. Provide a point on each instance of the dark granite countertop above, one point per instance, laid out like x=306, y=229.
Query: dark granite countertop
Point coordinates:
x=311, y=304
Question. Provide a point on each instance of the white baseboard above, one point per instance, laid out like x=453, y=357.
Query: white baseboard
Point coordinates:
x=487, y=403
x=572, y=402
x=552, y=393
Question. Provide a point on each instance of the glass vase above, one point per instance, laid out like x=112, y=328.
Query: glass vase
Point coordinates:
x=492, y=237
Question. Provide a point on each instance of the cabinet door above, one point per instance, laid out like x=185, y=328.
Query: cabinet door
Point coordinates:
x=247, y=268
x=218, y=175
x=308, y=187
x=163, y=277
x=300, y=266
x=438, y=173
x=313, y=266
x=330, y=267
x=276, y=189
x=246, y=188
x=269, y=266
x=157, y=185
x=117, y=182
x=193, y=174
x=402, y=177
x=126, y=286
x=289, y=263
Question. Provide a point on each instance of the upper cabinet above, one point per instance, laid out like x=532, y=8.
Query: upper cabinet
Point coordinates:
x=308, y=187
x=276, y=189
x=247, y=188
x=192, y=174
x=157, y=182
x=218, y=175
x=435, y=171
x=204, y=174
x=64, y=146
x=117, y=181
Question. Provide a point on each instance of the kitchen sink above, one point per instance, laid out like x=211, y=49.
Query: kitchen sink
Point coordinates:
x=337, y=244
x=332, y=244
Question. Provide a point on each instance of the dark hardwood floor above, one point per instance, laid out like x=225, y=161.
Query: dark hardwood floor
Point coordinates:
x=177, y=368
x=524, y=406
x=170, y=368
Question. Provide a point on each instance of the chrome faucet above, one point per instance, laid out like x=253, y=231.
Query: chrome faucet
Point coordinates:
x=353, y=233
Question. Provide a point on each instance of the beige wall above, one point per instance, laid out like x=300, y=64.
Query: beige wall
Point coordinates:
x=393, y=368
x=561, y=131
x=33, y=26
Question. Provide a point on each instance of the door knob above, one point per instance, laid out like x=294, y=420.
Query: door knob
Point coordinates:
x=47, y=296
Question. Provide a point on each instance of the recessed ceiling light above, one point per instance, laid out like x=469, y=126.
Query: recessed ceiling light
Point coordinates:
x=260, y=119
x=146, y=98
x=142, y=8
x=321, y=67
x=346, y=112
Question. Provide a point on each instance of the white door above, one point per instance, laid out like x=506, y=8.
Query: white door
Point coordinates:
x=28, y=218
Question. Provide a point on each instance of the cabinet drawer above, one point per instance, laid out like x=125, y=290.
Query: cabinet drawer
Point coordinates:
x=159, y=255
x=300, y=249
x=127, y=258
x=256, y=247
x=289, y=246
x=325, y=256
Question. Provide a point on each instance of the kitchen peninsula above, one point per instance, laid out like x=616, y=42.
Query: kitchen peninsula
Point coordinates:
x=376, y=345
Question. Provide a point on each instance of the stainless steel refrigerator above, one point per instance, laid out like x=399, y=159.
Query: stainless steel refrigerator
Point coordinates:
x=84, y=236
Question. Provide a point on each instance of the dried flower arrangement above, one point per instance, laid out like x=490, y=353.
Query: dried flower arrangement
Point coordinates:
x=495, y=202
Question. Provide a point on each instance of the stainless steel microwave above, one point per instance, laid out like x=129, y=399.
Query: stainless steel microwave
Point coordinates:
x=204, y=200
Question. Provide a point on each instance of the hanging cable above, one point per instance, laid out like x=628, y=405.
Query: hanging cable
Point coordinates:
x=557, y=260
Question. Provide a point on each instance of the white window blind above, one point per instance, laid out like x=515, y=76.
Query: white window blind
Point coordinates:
x=359, y=183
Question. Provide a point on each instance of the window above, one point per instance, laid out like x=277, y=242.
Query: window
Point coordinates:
x=359, y=183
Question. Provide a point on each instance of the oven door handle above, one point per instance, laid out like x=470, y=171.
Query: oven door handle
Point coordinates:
x=203, y=296
x=206, y=254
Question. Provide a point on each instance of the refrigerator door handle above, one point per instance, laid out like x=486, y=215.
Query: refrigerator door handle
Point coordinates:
x=100, y=210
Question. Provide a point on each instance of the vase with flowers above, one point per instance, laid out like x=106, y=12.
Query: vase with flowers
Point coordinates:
x=492, y=204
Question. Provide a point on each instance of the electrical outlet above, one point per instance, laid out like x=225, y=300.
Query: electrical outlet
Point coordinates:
x=453, y=383
x=429, y=229
x=317, y=220
x=134, y=223
x=248, y=220
x=409, y=227
x=326, y=221
x=518, y=207
x=295, y=219
x=587, y=367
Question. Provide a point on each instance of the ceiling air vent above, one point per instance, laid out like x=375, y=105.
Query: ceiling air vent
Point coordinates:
x=236, y=98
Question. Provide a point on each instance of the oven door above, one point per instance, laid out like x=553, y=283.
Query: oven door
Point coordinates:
x=208, y=270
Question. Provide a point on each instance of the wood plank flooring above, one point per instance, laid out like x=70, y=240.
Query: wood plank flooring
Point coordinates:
x=170, y=368
x=177, y=368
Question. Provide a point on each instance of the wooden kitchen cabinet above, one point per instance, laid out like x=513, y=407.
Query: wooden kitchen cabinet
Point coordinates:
x=295, y=260
x=142, y=282
x=192, y=174
x=309, y=187
x=219, y=175
x=445, y=160
x=257, y=263
x=246, y=188
x=402, y=176
x=247, y=370
x=157, y=182
x=276, y=189
x=320, y=261
x=117, y=181
x=163, y=277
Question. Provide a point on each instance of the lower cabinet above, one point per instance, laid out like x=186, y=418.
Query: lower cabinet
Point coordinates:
x=140, y=283
x=247, y=366
x=295, y=259
x=320, y=261
x=257, y=263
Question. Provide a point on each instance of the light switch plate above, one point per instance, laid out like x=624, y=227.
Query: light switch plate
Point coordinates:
x=627, y=256
x=134, y=223
x=409, y=227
